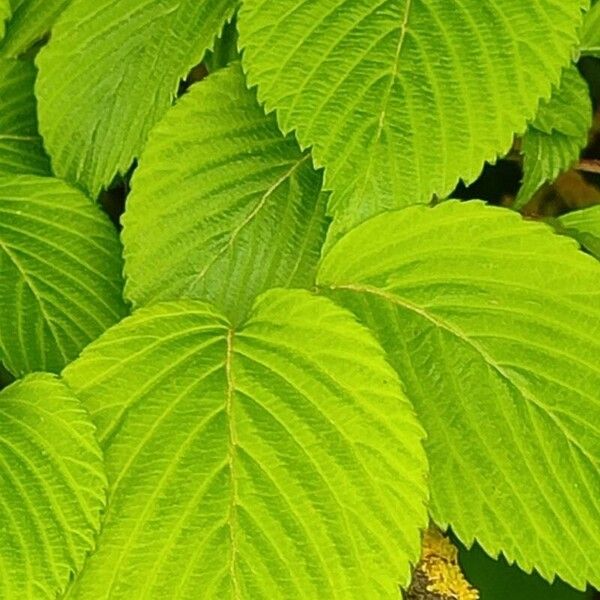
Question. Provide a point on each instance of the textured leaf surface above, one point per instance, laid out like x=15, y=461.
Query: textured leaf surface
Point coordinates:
x=554, y=140
x=21, y=149
x=590, y=34
x=280, y=461
x=400, y=98
x=584, y=226
x=30, y=21
x=493, y=324
x=52, y=487
x=223, y=206
x=60, y=273
x=110, y=72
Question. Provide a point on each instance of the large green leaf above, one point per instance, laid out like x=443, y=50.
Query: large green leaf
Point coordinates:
x=223, y=206
x=493, y=324
x=110, y=72
x=556, y=137
x=30, y=21
x=400, y=98
x=584, y=226
x=52, y=487
x=21, y=149
x=60, y=273
x=273, y=462
x=590, y=34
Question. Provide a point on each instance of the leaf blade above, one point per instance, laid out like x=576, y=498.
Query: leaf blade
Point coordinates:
x=223, y=206
x=483, y=316
x=259, y=530
x=54, y=487
x=110, y=72
x=21, y=149
x=584, y=226
x=400, y=99
x=61, y=273
x=30, y=21
x=555, y=139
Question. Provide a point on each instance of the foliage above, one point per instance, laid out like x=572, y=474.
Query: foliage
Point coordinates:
x=293, y=356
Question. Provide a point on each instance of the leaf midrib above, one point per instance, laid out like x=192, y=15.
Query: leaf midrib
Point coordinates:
x=458, y=333
x=232, y=444
x=16, y=262
x=252, y=215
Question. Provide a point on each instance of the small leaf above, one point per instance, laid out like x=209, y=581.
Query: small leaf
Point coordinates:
x=31, y=20
x=21, y=149
x=223, y=206
x=60, y=273
x=555, y=139
x=400, y=98
x=493, y=324
x=277, y=461
x=584, y=226
x=590, y=33
x=110, y=72
x=52, y=487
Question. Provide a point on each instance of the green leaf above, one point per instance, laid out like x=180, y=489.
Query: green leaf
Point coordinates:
x=223, y=206
x=5, y=14
x=225, y=50
x=277, y=461
x=590, y=33
x=21, y=149
x=31, y=20
x=495, y=579
x=52, y=487
x=493, y=324
x=554, y=140
x=584, y=226
x=401, y=98
x=60, y=273
x=110, y=72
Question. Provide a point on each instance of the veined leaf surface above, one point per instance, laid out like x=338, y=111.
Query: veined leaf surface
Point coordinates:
x=223, y=206
x=590, y=34
x=21, y=149
x=52, y=487
x=400, y=98
x=484, y=317
x=60, y=273
x=280, y=460
x=554, y=140
x=30, y=21
x=110, y=72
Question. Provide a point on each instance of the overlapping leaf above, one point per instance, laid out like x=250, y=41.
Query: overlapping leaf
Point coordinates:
x=493, y=324
x=110, y=72
x=52, y=487
x=556, y=137
x=60, y=273
x=584, y=226
x=223, y=206
x=30, y=21
x=497, y=580
x=273, y=462
x=400, y=98
x=21, y=149
x=590, y=33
